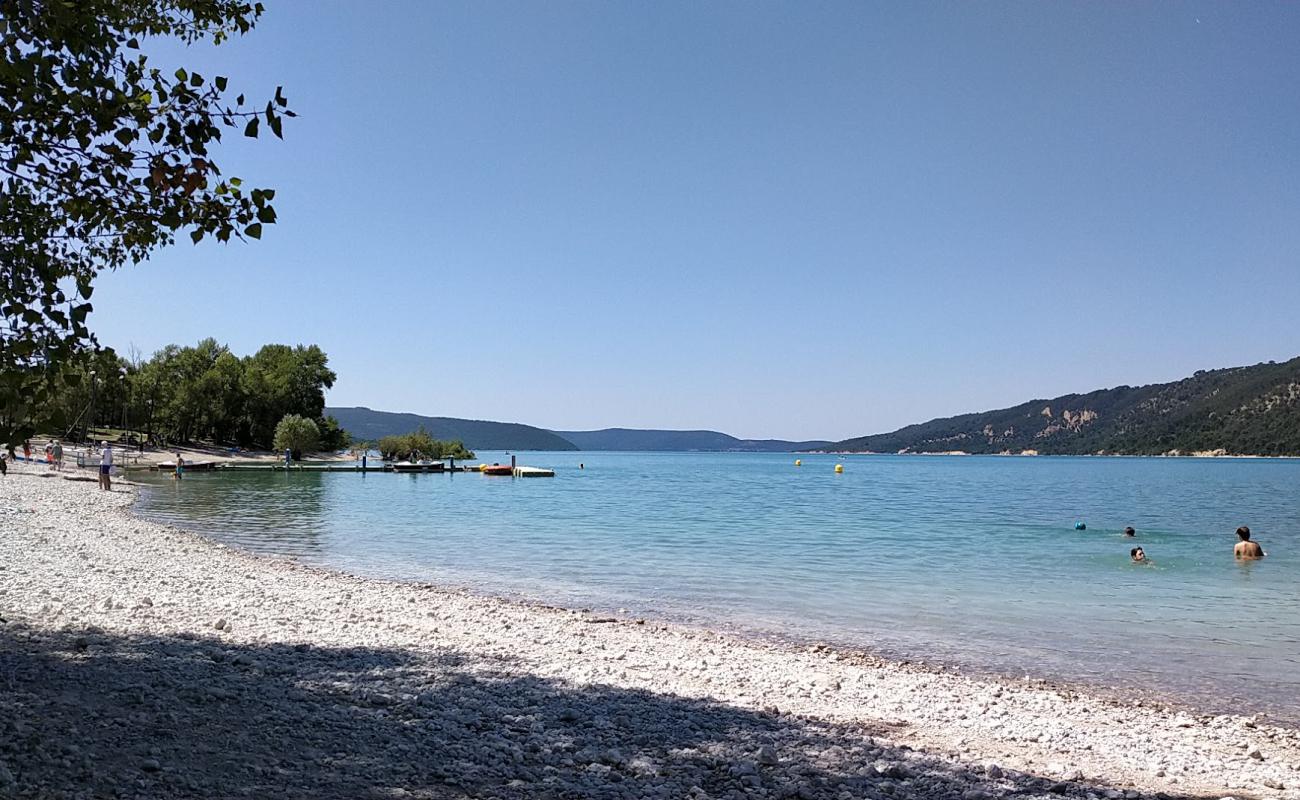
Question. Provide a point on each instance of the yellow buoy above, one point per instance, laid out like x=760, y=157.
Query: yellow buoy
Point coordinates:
x=798, y=462
x=839, y=469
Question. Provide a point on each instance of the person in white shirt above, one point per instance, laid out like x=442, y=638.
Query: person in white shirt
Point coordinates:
x=105, y=467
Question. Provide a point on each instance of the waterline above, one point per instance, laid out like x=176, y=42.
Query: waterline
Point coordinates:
x=961, y=560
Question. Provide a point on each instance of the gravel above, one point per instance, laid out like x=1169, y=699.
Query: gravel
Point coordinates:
x=142, y=661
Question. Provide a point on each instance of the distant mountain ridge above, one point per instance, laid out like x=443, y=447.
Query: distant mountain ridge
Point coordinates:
x=368, y=425
x=1251, y=410
x=634, y=439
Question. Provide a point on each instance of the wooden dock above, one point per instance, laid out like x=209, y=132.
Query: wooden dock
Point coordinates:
x=434, y=467
x=237, y=467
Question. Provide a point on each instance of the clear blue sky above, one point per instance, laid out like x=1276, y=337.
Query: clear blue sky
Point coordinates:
x=792, y=220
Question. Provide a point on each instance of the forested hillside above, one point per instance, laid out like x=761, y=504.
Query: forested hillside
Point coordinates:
x=1240, y=410
x=632, y=439
x=367, y=425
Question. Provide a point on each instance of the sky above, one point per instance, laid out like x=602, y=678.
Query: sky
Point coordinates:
x=797, y=220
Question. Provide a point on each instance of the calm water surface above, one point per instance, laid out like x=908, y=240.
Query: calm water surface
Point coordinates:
x=963, y=560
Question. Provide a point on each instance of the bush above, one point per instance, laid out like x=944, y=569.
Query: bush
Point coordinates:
x=296, y=434
x=417, y=445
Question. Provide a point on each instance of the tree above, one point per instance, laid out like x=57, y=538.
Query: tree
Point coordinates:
x=281, y=380
x=206, y=392
x=297, y=434
x=103, y=159
x=419, y=444
x=332, y=437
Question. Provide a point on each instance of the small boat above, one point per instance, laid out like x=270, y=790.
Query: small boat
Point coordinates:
x=423, y=465
x=189, y=466
x=496, y=469
x=534, y=472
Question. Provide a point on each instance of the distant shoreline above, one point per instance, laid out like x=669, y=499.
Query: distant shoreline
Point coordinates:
x=1208, y=455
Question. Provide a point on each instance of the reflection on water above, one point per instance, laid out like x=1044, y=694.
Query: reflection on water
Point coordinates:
x=967, y=560
x=278, y=513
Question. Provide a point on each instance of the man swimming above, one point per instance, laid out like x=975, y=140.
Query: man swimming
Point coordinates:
x=1138, y=555
x=1246, y=549
x=1130, y=532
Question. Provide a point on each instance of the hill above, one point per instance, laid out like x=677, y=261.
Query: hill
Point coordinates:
x=368, y=425
x=1240, y=410
x=632, y=439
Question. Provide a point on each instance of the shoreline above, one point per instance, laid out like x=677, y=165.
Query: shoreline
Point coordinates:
x=79, y=569
x=1035, y=454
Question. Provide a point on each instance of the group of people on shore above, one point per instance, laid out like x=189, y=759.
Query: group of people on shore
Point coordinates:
x=1245, y=549
x=53, y=453
x=53, y=458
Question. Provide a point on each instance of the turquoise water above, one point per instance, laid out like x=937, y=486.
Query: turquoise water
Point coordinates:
x=970, y=561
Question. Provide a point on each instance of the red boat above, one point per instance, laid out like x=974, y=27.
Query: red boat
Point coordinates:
x=497, y=469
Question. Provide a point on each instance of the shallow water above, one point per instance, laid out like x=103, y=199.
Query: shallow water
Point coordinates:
x=963, y=560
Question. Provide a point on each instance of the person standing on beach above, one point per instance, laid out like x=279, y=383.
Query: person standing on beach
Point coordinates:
x=27, y=451
x=58, y=455
x=105, y=467
x=1246, y=549
x=180, y=466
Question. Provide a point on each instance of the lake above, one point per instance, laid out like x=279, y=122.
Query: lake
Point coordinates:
x=966, y=561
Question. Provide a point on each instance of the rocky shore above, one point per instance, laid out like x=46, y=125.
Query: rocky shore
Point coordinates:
x=141, y=661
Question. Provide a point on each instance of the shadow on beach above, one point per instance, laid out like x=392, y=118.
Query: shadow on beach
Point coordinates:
x=84, y=713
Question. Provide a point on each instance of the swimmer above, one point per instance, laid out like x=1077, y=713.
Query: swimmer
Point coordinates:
x=1130, y=532
x=1246, y=549
x=1139, y=556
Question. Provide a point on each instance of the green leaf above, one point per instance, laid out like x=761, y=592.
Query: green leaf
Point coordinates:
x=251, y=129
x=220, y=82
x=181, y=75
x=125, y=136
x=196, y=235
x=266, y=214
x=275, y=123
x=254, y=231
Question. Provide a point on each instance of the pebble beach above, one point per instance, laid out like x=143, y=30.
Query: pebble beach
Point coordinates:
x=139, y=660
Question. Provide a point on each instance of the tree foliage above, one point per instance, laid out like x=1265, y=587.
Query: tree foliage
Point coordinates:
x=279, y=380
x=296, y=434
x=201, y=392
x=103, y=159
x=332, y=436
x=419, y=444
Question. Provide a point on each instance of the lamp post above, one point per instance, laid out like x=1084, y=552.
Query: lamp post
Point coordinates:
x=126, y=398
x=153, y=395
x=90, y=420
